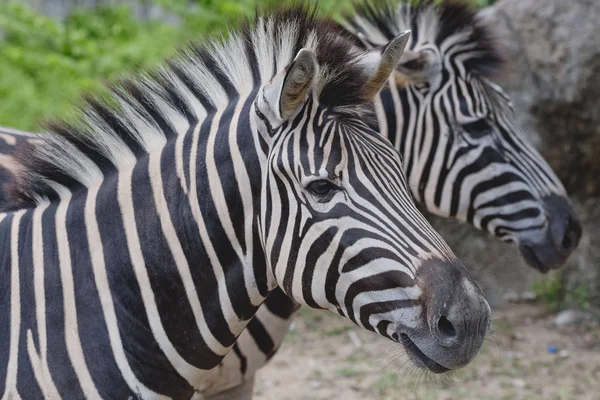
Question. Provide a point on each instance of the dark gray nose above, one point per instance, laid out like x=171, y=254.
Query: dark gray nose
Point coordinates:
x=458, y=316
x=565, y=228
x=551, y=249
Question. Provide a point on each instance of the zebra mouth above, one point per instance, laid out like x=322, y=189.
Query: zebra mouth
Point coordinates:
x=419, y=358
x=533, y=260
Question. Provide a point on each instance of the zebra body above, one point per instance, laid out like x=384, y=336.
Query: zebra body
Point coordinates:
x=146, y=237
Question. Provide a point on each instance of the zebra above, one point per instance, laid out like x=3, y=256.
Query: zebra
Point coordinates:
x=148, y=233
x=469, y=160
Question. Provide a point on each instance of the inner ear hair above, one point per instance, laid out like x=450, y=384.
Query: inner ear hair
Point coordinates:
x=297, y=82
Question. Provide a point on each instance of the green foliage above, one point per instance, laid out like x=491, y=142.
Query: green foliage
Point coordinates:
x=46, y=64
x=550, y=290
x=579, y=296
x=212, y=15
x=483, y=3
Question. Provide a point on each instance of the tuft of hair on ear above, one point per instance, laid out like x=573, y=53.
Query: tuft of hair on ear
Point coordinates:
x=346, y=81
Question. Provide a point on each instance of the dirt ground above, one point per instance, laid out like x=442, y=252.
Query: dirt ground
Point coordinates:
x=326, y=357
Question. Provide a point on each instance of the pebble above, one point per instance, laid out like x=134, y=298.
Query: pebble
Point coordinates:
x=569, y=317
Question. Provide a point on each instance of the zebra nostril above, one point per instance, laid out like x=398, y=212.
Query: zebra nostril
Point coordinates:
x=446, y=328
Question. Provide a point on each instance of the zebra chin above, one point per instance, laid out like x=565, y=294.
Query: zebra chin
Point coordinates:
x=551, y=249
x=454, y=322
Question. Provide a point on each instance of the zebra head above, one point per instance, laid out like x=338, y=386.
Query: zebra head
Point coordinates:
x=469, y=160
x=338, y=224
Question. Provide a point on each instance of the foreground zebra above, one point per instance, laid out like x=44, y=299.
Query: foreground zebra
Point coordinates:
x=149, y=235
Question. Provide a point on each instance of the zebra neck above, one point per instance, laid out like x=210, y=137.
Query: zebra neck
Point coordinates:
x=180, y=262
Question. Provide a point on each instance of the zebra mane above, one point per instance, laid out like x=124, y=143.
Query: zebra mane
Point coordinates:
x=431, y=21
x=143, y=113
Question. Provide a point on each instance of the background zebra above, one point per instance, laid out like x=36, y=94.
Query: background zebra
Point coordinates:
x=463, y=151
x=148, y=235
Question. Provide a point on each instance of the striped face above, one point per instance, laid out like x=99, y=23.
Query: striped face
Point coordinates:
x=341, y=232
x=471, y=163
x=463, y=151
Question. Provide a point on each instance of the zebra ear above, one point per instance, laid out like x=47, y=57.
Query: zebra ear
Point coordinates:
x=381, y=62
x=287, y=90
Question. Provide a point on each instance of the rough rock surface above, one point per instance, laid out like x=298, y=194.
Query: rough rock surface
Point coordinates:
x=552, y=49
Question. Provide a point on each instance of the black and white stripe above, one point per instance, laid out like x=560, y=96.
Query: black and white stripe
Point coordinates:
x=147, y=235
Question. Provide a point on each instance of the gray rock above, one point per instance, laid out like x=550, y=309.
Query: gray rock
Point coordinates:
x=569, y=317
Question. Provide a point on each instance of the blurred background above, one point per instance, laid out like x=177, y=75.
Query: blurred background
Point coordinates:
x=547, y=337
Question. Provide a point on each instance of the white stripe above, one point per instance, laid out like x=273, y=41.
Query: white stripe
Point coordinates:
x=10, y=387
x=40, y=362
x=38, y=373
x=179, y=168
x=381, y=117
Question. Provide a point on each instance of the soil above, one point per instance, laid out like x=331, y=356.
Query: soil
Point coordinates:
x=526, y=357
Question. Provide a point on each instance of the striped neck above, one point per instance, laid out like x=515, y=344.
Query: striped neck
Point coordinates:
x=167, y=246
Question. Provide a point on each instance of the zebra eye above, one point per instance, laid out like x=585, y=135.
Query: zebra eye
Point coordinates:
x=321, y=187
x=479, y=128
